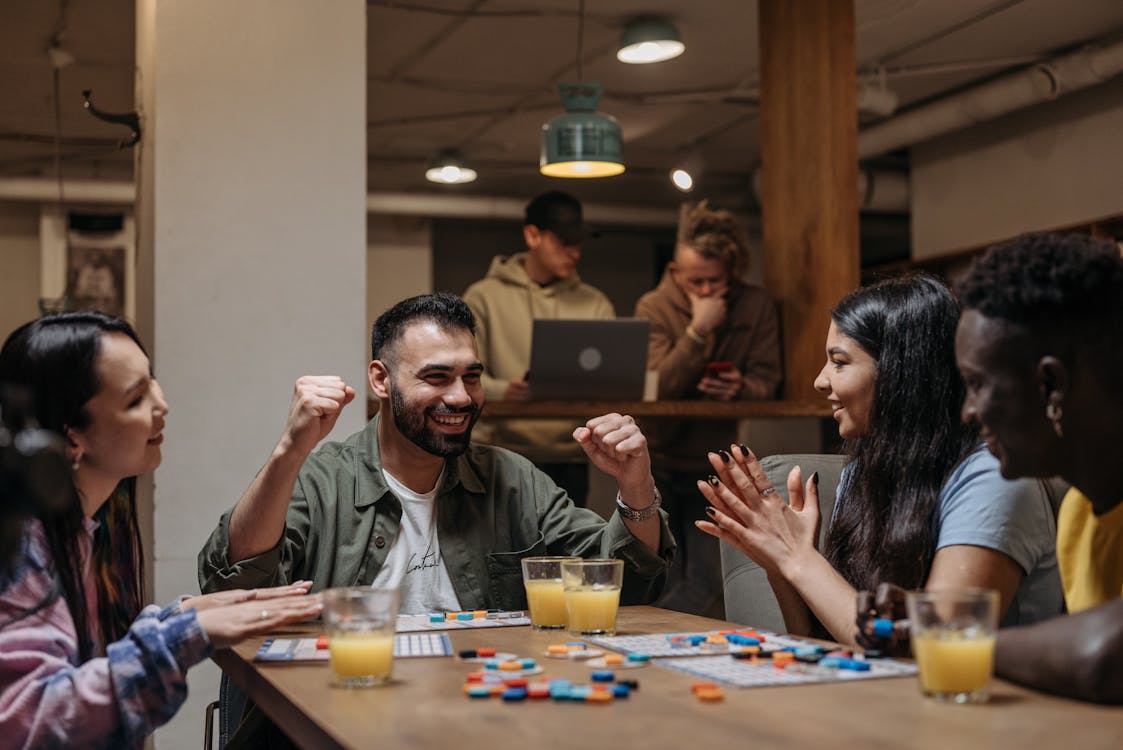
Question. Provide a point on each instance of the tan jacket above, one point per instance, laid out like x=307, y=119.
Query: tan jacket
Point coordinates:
x=749, y=338
x=505, y=303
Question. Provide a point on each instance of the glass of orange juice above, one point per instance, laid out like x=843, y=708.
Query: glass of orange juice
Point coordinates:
x=360, y=623
x=953, y=642
x=592, y=595
x=545, y=595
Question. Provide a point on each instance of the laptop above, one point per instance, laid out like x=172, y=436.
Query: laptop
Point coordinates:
x=588, y=360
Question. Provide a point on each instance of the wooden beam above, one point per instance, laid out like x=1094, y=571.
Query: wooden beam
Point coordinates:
x=809, y=172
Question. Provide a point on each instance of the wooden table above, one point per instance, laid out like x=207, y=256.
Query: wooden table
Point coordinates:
x=426, y=708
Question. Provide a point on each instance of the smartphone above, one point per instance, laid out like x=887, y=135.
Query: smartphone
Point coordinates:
x=715, y=369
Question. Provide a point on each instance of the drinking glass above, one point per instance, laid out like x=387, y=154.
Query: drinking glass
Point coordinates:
x=545, y=595
x=953, y=634
x=592, y=595
x=360, y=623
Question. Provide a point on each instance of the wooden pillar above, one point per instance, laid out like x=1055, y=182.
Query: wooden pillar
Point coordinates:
x=809, y=172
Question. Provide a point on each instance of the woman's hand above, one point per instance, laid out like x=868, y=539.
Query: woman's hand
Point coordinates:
x=236, y=596
x=226, y=625
x=749, y=513
x=881, y=621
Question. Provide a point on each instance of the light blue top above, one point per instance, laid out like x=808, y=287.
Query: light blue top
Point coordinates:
x=978, y=507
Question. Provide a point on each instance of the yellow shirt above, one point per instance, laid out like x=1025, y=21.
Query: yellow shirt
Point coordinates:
x=1090, y=552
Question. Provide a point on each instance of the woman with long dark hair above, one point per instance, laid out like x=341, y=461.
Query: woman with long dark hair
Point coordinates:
x=81, y=663
x=921, y=502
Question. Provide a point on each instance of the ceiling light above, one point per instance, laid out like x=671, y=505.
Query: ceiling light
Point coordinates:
x=685, y=173
x=449, y=168
x=581, y=142
x=649, y=40
x=875, y=97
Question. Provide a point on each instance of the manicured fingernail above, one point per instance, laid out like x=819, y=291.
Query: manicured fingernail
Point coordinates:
x=725, y=457
x=815, y=479
x=744, y=450
x=711, y=511
x=713, y=480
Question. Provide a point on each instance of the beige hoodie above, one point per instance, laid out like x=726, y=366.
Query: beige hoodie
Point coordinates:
x=505, y=303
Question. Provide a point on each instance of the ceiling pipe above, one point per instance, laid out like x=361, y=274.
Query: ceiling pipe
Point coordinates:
x=878, y=191
x=1033, y=85
x=107, y=192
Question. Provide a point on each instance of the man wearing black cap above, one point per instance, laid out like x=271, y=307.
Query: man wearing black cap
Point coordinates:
x=541, y=282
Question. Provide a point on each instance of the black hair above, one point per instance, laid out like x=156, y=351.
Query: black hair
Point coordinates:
x=1066, y=290
x=446, y=310
x=882, y=530
x=54, y=357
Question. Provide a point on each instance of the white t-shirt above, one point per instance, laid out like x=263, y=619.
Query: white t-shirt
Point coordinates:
x=414, y=564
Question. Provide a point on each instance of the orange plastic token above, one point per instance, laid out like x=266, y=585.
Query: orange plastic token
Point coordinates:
x=613, y=659
x=474, y=677
x=484, y=653
x=479, y=614
x=321, y=643
x=510, y=666
x=557, y=648
x=697, y=686
x=599, y=696
x=710, y=694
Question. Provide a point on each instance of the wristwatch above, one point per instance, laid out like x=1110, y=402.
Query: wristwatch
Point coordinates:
x=639, y=514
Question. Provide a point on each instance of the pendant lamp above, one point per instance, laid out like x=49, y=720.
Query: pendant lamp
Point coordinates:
x=581, y=142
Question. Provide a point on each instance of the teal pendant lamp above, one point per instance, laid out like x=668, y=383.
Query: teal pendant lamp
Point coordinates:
x=581, y=142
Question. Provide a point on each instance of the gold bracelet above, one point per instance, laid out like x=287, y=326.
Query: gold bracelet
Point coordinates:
x=694, y=336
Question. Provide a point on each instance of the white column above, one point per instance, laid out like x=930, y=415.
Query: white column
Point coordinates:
x=251, y=264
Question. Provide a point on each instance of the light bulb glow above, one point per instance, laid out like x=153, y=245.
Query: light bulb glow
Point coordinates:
x=650, y=51
x=682, y=180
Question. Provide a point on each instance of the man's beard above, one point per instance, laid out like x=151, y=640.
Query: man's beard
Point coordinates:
x=414, y=425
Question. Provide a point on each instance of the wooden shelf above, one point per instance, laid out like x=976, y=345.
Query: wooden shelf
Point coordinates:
x=698, y=409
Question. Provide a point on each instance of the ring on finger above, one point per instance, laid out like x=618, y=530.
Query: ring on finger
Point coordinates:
x=264, y=614
x=767, y=491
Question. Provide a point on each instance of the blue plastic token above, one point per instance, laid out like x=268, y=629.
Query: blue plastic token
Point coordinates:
x=465, y=616
x=436, y=618
x=602, y=675
x=883, y=628
x=639, y=657
x=514, y=694
x=479, y=691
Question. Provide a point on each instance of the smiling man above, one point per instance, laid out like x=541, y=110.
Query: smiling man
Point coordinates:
x=412, y=502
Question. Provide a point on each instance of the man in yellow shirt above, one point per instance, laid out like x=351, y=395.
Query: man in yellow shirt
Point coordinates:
x=1040, y=346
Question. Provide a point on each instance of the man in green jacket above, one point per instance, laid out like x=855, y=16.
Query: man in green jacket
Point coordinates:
x=412, y=502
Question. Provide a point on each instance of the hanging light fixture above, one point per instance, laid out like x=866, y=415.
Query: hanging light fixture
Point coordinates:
x=450, y=168
x=649, y=40
x=581, y=142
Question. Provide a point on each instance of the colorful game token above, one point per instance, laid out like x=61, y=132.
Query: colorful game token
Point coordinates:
x=710, y=695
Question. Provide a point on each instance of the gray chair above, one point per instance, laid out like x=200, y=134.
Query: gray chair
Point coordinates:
x=748, y=597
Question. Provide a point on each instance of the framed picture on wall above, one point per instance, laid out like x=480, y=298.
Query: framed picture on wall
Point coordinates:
x=95, y=278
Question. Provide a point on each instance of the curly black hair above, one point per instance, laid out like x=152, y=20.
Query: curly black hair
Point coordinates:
x=1065, y=290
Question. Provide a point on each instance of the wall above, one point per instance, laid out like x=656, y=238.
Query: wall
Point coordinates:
x=1047, y=167
x=19, y=265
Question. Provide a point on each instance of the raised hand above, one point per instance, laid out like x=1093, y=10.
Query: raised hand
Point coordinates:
x=227, y=625
x=615, y=445
x=317, y=401
x=748, y=513
x=706, y=313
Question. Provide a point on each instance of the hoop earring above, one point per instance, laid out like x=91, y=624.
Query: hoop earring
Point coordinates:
x=1054, y=414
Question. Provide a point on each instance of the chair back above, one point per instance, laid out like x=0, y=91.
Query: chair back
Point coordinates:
x=748, y=597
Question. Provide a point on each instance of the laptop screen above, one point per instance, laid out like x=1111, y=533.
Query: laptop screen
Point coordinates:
x=588, y=360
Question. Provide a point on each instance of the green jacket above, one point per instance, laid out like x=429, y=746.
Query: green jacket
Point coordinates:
x=493, y=509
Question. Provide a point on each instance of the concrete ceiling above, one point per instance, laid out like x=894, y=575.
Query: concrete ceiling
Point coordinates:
x=480, y=75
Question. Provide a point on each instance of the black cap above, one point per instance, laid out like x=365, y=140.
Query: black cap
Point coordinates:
x=559, y=213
